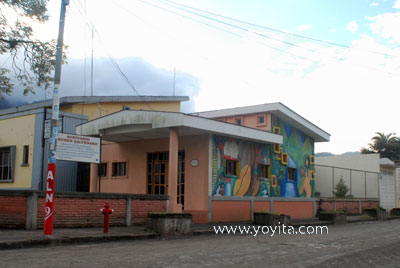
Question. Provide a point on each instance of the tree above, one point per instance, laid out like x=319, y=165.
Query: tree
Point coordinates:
x=341, y=189
x=37, y=63
x=386, y=145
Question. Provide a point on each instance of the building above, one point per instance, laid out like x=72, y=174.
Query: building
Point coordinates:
x=368, y=178
x=218, y=165
x=389, y=185
x=23, y=145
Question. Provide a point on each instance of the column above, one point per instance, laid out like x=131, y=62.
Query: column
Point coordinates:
x=174, y=207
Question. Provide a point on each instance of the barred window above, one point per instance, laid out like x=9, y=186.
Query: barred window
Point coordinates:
x=119, y=169
x=103, y=170
x=231, y=167
x=7, y=157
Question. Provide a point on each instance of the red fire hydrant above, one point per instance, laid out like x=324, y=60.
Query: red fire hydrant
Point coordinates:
x=106, y=212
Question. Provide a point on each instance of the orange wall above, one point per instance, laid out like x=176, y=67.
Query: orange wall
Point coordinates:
x=135, y=154
x=250, y=121
x=296, y=210
x=262, y=206
x=226, y=211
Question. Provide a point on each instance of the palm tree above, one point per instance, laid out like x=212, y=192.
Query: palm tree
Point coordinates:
x=386, y=145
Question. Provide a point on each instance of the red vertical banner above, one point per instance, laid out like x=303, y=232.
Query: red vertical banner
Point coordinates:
x=48, y=217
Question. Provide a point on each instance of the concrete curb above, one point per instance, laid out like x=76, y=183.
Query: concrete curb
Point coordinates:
x=73, y=240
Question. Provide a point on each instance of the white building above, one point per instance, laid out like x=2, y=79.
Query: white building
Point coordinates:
x=366, y=175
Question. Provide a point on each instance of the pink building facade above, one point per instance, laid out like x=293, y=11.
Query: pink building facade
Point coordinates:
x=219, y=165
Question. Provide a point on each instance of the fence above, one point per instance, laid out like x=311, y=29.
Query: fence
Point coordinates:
x=361, y=183
x=350, y=206
x=25, y=209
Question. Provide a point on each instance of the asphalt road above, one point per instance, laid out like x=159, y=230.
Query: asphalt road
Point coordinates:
x=368, y=244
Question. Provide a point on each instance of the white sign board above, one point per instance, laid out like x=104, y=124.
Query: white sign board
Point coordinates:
x=78, y=148
x=47, y=128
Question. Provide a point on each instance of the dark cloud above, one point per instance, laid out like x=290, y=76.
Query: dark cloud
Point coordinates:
x=146, y=78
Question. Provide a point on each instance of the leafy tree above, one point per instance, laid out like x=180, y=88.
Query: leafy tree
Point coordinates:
x=386, y=145
x=341, y=189
x=37, y=63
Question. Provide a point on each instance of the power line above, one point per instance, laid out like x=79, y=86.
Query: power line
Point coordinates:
x=279, y=31
x=226, y=31
x=118, y=68
x=256, y=33
x=114, y=62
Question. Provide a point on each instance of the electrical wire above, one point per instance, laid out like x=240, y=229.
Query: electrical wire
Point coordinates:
x=277, y=30
x=264, y=36
x=114, y=62
x=217, y=28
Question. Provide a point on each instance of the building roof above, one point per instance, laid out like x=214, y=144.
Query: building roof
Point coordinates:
x=92, y=99
x=128, y=125
x=278, y=109
x=386, y=162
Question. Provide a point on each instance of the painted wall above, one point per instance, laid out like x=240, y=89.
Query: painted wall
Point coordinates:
x=297, y=149
x=135, y=154
x=94, y=110
x=240, y=210
x=18, y=132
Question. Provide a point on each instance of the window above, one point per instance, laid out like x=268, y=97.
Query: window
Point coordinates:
x=291, y=174
x=260, y=120
x=284, y=158
x=231, y=167
x=103, y=170
x=25, y=156
x=7, y=157
x=274, y=181
x=276, y=130
x=238, y=121
x=119, y=169
x=263, y=171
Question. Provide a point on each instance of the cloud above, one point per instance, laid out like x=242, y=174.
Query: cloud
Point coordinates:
x=352, y=26
x=374, y=4
x=397, y=4
x=147, y=79
x=332, y=30
x=386, y=25
x=303, y=27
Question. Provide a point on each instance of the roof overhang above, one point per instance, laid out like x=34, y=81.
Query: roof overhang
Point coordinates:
x=129, y=125
x=92, y=99
x=277, y=109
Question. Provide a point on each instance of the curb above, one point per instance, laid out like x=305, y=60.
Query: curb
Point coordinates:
x=72, y=240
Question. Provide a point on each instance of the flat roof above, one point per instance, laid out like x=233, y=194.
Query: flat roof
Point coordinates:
x=92, y=99
x=277, y=109
x=128, y=125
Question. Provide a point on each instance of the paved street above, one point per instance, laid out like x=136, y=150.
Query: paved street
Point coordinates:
x=368, y=244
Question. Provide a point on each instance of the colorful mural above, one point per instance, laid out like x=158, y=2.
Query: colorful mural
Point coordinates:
x=289, y=166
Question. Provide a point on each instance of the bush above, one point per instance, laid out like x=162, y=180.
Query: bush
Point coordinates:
x=341, y=189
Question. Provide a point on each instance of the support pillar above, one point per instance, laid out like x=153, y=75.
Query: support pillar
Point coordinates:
x=128, y=211
x=174, y=207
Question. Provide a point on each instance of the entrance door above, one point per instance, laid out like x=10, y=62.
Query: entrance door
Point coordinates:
x=83, y=177
x=157, y=175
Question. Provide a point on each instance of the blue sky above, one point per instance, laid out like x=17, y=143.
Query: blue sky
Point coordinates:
x=350, y=93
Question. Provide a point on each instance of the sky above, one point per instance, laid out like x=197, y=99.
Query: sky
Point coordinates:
x=347, y=83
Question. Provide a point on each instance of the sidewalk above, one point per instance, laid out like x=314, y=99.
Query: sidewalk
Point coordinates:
x=11, y=239
x=20, y=238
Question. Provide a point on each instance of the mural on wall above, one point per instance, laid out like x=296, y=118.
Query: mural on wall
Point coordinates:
x=247, y=156
x=289, y=166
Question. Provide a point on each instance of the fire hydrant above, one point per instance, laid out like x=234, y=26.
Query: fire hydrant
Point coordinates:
x=106, y=212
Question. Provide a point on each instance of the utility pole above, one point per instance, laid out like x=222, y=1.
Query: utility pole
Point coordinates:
x=51, y=165
x=91, y=67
